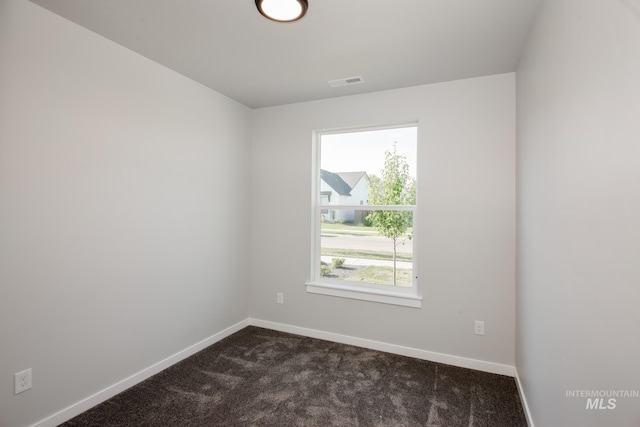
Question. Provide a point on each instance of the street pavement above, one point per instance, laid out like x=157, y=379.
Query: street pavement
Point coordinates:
x=370, y=243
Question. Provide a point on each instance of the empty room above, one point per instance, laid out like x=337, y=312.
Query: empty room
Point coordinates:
x=320, y=212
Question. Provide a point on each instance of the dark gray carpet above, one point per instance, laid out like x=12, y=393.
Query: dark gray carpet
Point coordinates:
x=260, y=377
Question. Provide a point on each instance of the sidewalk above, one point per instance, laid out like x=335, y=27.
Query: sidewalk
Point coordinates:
x=366, y=261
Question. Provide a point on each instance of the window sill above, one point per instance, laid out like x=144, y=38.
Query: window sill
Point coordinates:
x=365, y=294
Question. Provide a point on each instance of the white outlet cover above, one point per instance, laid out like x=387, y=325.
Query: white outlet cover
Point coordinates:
x=22, y=381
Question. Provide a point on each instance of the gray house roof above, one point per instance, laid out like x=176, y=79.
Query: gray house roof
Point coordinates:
x=352, y=178
x=341, y=182
x=336, y=182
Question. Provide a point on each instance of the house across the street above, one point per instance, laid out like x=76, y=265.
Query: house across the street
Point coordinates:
x=344, y=188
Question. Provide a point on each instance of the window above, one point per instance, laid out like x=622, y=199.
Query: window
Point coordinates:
x=364, y=205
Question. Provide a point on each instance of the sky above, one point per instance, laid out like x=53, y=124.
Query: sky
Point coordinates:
x=364, y=150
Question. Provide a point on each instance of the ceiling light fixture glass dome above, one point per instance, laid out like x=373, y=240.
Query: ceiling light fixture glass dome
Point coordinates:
x=282, y=10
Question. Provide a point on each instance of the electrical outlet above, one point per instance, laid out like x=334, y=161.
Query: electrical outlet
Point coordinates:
x=280, y=298
x=479, y=327
x=22, y=381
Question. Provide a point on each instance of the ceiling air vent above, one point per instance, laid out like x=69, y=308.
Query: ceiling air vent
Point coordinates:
x=346, y=81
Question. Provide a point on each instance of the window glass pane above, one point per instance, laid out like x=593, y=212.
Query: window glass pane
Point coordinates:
x=368, y=167
x=357, y=251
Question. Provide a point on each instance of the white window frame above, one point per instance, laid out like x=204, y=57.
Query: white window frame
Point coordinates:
x=408, y=297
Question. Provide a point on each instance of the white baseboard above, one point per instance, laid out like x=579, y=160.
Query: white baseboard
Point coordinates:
x=463, y=362
x=101, y=396
x=523, y=398
x=107, y=393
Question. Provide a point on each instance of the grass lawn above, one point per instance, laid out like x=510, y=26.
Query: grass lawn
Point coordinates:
x=350, y=229
x=382, y=276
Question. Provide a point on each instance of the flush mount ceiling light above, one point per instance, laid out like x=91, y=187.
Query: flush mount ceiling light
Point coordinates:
x=282, y=10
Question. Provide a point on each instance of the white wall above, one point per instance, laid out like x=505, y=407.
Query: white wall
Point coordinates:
x=360, y=193
x=466, y=251
x=578, y=295
x=123, y=212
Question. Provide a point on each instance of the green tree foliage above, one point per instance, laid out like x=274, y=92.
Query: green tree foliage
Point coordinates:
x=394, y=187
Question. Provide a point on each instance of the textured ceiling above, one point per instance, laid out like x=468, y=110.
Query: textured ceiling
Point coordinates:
x=228, y=46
